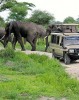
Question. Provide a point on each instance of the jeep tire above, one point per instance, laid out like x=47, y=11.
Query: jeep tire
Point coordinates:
x=67, y=59
x=53, y=54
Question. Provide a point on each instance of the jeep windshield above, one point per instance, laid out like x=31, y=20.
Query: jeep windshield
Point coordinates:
x=71, y=40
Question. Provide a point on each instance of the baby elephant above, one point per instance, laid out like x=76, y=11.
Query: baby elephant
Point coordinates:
x=2, y=34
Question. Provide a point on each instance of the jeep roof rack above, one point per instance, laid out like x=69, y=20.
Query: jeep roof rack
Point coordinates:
x=65, y=34
x=67, y=24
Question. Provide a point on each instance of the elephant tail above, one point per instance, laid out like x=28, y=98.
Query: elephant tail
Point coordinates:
x=2, y=37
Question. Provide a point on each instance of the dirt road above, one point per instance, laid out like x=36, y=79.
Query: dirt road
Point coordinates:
x=72, y=69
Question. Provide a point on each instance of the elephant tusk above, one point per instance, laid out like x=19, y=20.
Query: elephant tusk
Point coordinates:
x=45, y=36
x=2, y=37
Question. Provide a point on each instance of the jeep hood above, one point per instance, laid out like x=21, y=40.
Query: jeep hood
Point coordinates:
x=72, y=46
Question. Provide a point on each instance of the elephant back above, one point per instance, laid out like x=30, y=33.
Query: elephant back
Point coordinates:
x=28, y=27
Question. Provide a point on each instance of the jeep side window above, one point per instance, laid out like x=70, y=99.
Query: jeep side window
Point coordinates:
x=61, y=44
x=55, y=39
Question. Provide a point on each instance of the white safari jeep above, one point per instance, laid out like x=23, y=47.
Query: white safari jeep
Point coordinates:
x=65, y=44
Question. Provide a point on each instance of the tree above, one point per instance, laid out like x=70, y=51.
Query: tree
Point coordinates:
x=58, y=22
x=2, y=22
x=41, y=17
x=17, y=12
x=1, y=1
x=77, y=20
x=69, y=20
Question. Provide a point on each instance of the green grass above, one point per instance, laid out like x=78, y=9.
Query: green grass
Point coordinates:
x=40, y=46
x=28, y=77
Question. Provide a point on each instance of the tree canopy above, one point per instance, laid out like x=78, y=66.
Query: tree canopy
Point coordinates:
x=2, y=22
x=69, y=20
x=41, y=17
x=18, y=10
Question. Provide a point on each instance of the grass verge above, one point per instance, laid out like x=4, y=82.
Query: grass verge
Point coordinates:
x=28, y=77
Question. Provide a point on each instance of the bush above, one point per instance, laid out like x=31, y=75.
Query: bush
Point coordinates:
x=7, y=53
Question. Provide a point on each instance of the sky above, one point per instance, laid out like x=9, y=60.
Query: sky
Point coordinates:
x=59, y=8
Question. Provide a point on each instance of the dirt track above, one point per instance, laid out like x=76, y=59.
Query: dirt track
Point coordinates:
x=72, y=69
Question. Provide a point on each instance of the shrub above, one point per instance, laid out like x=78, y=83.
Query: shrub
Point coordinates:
x=7, y=53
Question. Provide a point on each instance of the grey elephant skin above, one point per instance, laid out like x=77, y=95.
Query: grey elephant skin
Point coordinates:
x=28, y=30
x=40, y=30
x=48, y=32
x=2, y=34
x=51, y=28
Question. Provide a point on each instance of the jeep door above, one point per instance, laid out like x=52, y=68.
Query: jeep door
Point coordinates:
x=60, y=49
x=55, y=43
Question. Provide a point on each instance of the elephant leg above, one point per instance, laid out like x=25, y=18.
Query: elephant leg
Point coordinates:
x=21, y=43
x=47, y=44
x=32, y=44
x=14, y=42
x=5, y=41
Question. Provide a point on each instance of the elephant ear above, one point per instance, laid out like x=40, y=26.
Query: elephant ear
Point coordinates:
x=10, y=27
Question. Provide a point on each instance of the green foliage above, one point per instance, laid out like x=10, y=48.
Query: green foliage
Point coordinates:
x=2, y=22
x=40, y=46
x=77, y=20
x=58, y=22
x=41, y=17
x=27, y=77
x=18, y=10
x=4, y=1
x=7, y=53
x=69, y=20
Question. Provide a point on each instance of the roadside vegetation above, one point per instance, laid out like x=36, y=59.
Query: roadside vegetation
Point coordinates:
x=40, y=46
x=28, y=77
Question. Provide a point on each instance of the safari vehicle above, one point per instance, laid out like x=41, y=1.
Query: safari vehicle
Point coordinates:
x=65, y=44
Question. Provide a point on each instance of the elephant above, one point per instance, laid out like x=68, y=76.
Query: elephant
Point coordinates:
x=2, y=34
x=52, y=28
x=40, y=30
x=28, y=30
x=48, y=32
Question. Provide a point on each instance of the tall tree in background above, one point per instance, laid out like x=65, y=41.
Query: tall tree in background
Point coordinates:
x=69, y=20
x=41, y=17
x=18, y=10
x=2, y=22
x=77, y=20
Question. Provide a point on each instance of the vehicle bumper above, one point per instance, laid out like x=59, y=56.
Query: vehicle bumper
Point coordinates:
x=74, y=56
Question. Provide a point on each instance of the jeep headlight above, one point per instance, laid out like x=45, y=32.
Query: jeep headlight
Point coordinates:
x=71, y=50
